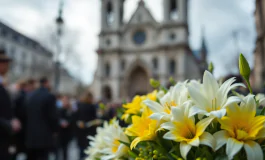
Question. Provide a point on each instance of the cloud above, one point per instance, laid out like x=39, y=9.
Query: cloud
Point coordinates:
x=220, y=19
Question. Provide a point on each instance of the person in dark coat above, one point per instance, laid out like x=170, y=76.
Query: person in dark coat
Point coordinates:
x=66, y=125
x=8, y=125
x=86, y=113
x=20, y=113
x=42, y=122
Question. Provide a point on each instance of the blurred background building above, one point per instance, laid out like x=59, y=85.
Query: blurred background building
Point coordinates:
x=130, y=53
x=31, y=59
x=259, y=54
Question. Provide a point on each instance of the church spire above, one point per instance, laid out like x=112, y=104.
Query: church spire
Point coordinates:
x=141, y=2
x=204, y=50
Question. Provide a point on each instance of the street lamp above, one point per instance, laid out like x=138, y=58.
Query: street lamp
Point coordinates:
x=59, y=23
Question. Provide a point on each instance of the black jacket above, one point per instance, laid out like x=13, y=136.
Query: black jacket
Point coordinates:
x=20, y=113
x=66, y=134
x=42, y=119
x=85, y=113
x=5, y=117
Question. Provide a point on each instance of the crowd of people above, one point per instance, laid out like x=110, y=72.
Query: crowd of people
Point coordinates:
x=36, y=122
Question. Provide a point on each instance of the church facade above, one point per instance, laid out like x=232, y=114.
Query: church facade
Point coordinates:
x=259, y=53
x=130, y=53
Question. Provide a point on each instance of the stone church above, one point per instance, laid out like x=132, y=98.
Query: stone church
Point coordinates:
x=130, y=53
x=259, y=53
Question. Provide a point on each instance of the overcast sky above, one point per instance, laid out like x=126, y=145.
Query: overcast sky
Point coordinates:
x=220, y=19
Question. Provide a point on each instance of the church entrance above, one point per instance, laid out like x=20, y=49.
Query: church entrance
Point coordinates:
x=106, y=93
x=138, y=82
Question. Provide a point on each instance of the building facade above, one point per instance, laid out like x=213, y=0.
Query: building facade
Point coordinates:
x=259, y=54
x=31, y=60
x=130, y=53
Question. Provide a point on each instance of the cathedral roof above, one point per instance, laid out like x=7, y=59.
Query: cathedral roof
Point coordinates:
x=142, y=15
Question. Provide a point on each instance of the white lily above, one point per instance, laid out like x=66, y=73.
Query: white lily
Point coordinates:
x=210, y=98
x=176, y=96
x=109, y=136
x=183, y=129
x=240, y=129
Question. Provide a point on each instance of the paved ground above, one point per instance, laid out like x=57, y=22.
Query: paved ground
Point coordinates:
x=72, y=153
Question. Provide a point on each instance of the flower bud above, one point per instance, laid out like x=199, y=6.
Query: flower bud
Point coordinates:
x=244, y=68
x=154, y=83
x=211, y=67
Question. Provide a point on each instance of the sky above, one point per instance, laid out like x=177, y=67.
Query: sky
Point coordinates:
x=221, y=19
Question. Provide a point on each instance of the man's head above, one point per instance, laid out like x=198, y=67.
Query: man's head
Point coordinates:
x=4, y=62
x=44, y=82
x=31, y=85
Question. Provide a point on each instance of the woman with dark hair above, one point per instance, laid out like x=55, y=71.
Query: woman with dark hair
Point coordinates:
x=86, y=113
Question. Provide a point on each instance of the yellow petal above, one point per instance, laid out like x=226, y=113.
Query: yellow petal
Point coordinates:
x=202, y=125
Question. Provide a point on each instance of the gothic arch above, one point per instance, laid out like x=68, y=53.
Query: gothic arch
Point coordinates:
x=136, y=80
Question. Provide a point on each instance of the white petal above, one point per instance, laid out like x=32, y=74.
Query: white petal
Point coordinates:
x=195, y=110
x=166, y=98
x=233, y=146
x=178, y=113
x=221, y=138
x=253, y=150
x=154, y=106
x=184, y=149
x=159, y=116
x=169, y=136
x=232, y=100
x=210, y=84
x=195, y=142
x=208, y=140
x=249, y=104
x=196, y=95
x=168, y=125
x=219, y=113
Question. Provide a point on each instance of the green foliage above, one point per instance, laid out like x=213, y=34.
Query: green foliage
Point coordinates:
x=211, y=67
x=154, y=83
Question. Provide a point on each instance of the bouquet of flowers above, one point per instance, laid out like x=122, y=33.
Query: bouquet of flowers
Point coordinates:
x=190, y=120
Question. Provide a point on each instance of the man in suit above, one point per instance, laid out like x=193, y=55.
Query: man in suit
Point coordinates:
x=8, y=125
x=42, y=122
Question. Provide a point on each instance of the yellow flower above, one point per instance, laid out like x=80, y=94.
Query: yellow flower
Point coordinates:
x=183, y=129
x=241, y=128
x=136, y=106
x=143, y=128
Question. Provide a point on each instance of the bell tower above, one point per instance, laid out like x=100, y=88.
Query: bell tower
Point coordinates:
x=111, y=14
x=175, y=10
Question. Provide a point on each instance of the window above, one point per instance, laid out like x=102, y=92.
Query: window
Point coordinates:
x=139, y=37
x=173, y=10
x=107, y=69
x=122, y=65
x=172, y=36
x=155, y=63
x=110, y=15
x=172, y=67
x=108, y=42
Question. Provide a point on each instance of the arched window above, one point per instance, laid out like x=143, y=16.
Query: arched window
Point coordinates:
x=173, y=10
x=107, y=69
x=155, y=63
x=172, y=67
x=122, y=65
x=110, y=15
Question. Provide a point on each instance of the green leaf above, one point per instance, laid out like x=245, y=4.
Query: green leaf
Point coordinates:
x=132, y=154
x=262, y=111
x=126, y=144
